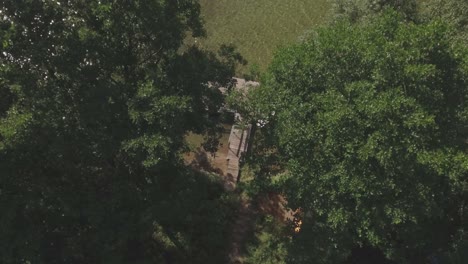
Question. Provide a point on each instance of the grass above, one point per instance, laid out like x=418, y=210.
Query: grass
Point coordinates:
x=259, y=27
x=197, y=154
x=195, y=140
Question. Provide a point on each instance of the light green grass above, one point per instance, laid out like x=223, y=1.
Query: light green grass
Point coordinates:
x=259, y=27
x=195, y=141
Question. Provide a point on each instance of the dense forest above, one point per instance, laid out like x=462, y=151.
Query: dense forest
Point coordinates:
x=357, y=151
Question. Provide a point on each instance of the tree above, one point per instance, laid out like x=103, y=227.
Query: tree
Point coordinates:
x=96, y=99
x=356, y=10
x=369, y=121
x=454, y=12
x=268, y=247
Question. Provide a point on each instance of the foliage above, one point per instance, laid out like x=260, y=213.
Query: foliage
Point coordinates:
x=211, y=140
x=356, y=10
x=253, y=73
x=198, y=212
x=268, y=247
x=458, y=253
x=369, y=122
x=454, y=12
x=97, y=97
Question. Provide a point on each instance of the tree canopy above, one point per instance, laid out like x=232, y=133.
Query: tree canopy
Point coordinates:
x=362, y=127
x=454, y=12
x=357, y=10
x=369, y=125
x=95, y=100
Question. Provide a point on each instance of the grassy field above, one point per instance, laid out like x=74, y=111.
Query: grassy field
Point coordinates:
x=258, y=27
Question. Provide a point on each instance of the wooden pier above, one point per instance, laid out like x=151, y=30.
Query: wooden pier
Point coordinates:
x=238, y=145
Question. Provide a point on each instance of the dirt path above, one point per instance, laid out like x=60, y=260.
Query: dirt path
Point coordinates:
x=240, y=231
x=226, y=164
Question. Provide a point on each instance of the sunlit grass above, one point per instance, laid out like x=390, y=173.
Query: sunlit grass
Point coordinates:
x=258, y=27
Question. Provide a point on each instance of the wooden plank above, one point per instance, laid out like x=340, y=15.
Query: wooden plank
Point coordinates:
x=238, y=144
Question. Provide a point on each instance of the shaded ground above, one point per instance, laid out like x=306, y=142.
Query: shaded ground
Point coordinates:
x=243, y=224
x=240, y=232
x=200, y=159
x=274, y=204
x=245, y=228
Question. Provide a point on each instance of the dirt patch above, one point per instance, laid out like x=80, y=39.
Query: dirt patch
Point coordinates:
x=274, y=204
x=241, y=228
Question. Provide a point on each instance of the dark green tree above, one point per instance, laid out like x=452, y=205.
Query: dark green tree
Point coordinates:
x=369, y=122
x=95, y=100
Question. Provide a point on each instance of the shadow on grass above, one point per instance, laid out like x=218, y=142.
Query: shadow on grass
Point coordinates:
x=202, y=162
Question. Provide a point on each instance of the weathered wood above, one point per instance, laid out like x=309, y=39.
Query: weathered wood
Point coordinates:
x=238, y=144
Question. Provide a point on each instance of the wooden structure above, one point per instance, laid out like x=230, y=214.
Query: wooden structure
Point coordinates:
x=238, y=146
x=239, y=137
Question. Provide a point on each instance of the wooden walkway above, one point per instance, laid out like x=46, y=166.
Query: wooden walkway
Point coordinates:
x=238, y=145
